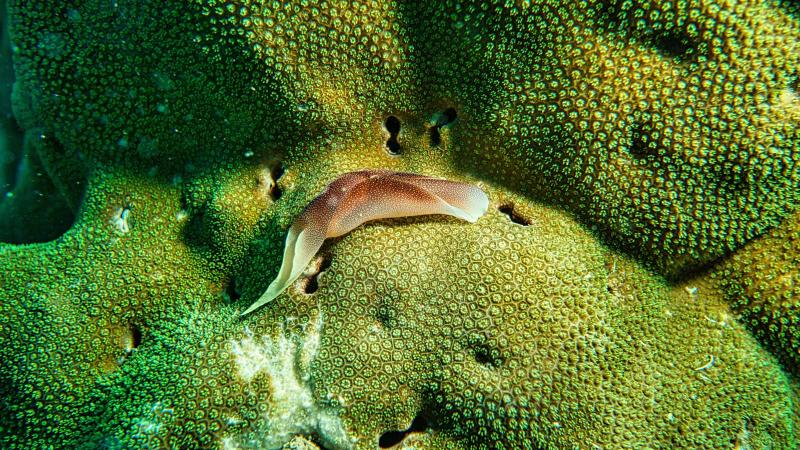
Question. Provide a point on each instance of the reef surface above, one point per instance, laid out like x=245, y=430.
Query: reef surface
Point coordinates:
x=635, y=283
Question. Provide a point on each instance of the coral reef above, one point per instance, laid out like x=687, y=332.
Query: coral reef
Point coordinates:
x=492, y=332
x=641, y=159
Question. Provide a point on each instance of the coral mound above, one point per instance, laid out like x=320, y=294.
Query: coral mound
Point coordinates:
x=632, y=284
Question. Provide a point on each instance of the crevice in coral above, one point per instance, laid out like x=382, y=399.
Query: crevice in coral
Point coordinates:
x=386, y=315
x=392, y=125
x=641, y=145
x=311, y=283
x=607, y=15
x=391, y=438
x=440, y=120
x=276, y=173
x=676, y=44
x=131, y=338
x=232, y=292
x=508, y=210
x=136, y=336
x=395, y=437
x=485, y=356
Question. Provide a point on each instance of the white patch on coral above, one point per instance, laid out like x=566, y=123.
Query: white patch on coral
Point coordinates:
x=287, y=359
x=788, y=98
x=147, y=427
x=120, y=220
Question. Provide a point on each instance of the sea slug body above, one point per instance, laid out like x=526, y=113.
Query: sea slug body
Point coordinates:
x=361, y=196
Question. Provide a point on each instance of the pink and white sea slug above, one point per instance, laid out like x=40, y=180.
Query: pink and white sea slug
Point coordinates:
x=361, y=196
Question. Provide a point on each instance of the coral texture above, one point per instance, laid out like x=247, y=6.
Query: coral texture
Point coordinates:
x=641, y=160
x=762, y=283
x=31, y=207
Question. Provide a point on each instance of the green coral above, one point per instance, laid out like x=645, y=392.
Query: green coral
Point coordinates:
x=762, y=283
x=532, y=334
x=613, y=138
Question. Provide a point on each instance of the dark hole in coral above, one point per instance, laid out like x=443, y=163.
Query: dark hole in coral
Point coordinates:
x=195, y=231
x=312, y=283
x=508, y=209
x=418, y=425
x=484, y=356
x=276, y=173
x=386, y=315
x=444, y=118
x=449, y=115
x=392, y=438
x=436, y=138
x=392, y=125
x=794, y=85
x=136, y=336
x=675, y=45
x=230, y=289
x=733, y=176
x=640, y=142
x=610, y=289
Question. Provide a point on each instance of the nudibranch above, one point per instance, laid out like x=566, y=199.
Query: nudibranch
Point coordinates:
x=361, y=196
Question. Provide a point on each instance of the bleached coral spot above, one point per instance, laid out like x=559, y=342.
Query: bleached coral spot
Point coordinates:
x=120, y=220
x=287, y=359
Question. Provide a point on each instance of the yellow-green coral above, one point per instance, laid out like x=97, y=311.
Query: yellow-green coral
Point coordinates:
x=762, y=283
x=617, y=135
x=494, y=332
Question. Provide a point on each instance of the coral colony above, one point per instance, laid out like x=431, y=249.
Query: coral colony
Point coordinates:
x=633, y=280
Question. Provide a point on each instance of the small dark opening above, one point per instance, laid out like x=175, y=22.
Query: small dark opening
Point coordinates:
x=391, y=438
x=233, y=294
x=418, y=425
x=508, y=210
x=276, y=173
x=448, y=116
x=395, y=437
x=392, y=125
x=136, y=336
x=640, y=142
x=675, y=45
x=794, y=85
x=436, y=137
x=312, y=283
x=484, y=356
x=444, y=118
